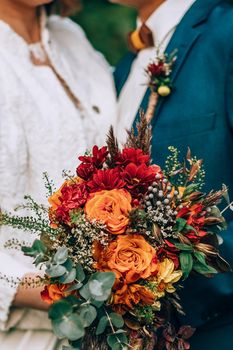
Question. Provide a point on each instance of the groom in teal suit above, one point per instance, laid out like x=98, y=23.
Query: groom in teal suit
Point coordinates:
x=197, y=114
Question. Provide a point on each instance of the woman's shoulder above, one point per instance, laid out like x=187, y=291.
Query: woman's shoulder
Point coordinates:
x=72, y=36
x=65, y=26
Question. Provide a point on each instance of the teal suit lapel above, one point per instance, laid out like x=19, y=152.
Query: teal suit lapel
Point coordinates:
x=184, y=38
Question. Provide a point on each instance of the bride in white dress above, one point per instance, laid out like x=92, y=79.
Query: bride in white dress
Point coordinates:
x=56, y=100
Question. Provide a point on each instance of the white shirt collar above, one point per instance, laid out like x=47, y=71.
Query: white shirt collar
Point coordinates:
x=166, y=18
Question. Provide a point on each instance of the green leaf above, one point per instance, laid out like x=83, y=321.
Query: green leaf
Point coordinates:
x=203, y=269
x=85, y=292
x=61, y=256
x=97, y=303
x=70, y=327
x=100, y=285
x=68, y=264
x=80, y=275
x=96, y=288
x=184, y=247
x=88, y=314
x=73, y=301
x=118, y=338
x=118, y=346
x=190, y=189
x=200, y=257
x=55, y=270
x=106, y=278
x=103, y=323
x=60, y=310
x=117, y=320
x=186, y=263
x=36, y=248
x=76, y=286
x=68, y=277
x=180, y=224
x=76, y=345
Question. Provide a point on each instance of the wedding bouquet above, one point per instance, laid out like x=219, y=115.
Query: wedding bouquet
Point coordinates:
x=118, y=240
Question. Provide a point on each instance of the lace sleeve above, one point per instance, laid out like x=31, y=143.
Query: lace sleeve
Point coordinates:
x=13, y=164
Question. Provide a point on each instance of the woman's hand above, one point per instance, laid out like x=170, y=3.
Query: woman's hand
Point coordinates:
x=30, y=297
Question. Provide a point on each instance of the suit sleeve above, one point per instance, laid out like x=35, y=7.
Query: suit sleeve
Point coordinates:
x=229, y=91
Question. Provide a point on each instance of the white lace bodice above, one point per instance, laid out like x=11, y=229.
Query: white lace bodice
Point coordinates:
x=40, y=127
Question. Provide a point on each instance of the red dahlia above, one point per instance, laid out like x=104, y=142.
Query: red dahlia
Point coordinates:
x=108, y=179
x=138, y=178
x=99, y=156
x=132, y=155
x=85, y=171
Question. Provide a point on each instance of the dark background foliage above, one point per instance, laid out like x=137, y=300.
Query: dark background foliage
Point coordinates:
x=106, y=25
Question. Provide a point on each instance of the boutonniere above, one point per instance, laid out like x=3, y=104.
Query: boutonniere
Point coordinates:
x=159, y=79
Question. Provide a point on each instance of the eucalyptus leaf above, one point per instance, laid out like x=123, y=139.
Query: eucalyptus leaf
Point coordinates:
x=80, y=275
x=55, y=271
x=119, y=338
x=68, y=277
x=70, y=327
x=75, y=286
x=85, y=292
x=106, y=278
x=73, y=301
x=97, y=303
x=61, y=255
x=36, y=248
x=88, y=314
x=68, y=264
x=76, y=345
x=103, y=323
x=100, y=285
x=60, y=310
x=117, y=320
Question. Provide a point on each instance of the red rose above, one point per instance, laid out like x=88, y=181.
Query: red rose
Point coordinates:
x=72, y=197
x=108, y=179
x=138, y=178
x=132, y=155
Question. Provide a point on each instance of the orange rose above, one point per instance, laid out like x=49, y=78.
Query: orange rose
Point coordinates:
x=111, y=208
x=130, y=295
x=130, y=257
x=54, y=292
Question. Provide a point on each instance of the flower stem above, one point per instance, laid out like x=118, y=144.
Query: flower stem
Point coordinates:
x=151, y=106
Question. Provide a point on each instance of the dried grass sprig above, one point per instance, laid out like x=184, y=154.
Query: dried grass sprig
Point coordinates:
x=141, y=138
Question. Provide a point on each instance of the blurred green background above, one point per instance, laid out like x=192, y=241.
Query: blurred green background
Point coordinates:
x=106, y=25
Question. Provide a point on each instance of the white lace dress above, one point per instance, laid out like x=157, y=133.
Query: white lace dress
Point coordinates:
x=42, y=130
